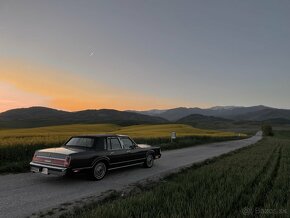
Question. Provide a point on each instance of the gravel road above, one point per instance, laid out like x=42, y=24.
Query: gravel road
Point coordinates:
x=27, y=193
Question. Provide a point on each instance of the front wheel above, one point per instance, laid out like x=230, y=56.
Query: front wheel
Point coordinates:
x=99, y=171
x=148, y=163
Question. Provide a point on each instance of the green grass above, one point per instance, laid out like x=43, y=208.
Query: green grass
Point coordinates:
x=250, y=181
x=17, y=146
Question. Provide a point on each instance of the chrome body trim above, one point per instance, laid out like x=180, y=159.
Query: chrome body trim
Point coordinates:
x=128, y=161
x=113, y=168
x=54, y=158
x=83, y=168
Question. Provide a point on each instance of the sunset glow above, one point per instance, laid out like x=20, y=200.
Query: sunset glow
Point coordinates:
x=143, y=55
x=25, y=85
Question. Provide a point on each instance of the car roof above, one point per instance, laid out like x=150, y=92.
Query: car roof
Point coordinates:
x=101, y=135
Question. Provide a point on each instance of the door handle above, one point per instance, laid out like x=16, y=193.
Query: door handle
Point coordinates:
x=112, y=152
x=128, y=151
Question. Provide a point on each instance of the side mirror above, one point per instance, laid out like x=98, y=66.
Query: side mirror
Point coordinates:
x=133, y=146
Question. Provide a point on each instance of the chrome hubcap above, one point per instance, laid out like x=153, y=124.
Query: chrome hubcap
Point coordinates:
x=149, y=160
x=100, y=170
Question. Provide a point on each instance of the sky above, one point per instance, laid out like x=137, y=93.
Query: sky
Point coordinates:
x=140, y=55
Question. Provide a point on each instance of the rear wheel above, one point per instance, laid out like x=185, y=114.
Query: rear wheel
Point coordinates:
x=99, y=171
x=149, y=161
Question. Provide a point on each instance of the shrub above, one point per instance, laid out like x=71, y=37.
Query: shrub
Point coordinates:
x=267, y=130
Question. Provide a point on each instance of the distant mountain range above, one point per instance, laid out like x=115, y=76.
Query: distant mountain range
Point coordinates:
x=42, y=116
x=219, y=116
x=255, y=113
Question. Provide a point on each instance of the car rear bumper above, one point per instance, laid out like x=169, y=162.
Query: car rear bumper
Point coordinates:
x=47, y=169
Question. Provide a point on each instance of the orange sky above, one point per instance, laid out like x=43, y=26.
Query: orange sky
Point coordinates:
x=23, y=85
x=11, y=97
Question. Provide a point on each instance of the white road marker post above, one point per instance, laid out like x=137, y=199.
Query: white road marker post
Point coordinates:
x=173, y=136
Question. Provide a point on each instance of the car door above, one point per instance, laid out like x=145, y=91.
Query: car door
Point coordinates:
x=134, y=152
x=118, y=156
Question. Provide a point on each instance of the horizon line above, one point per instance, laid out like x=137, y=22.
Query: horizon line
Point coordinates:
x=131, y=110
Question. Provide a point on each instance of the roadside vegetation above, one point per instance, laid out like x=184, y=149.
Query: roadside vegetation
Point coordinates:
x=17, y=146
x=267, y=130
x=252, y=181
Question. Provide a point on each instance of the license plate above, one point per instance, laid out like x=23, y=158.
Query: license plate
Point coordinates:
x=34, y=169
x=44, y=171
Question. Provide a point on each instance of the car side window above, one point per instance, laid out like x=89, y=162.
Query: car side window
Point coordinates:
x=127, y=143
x=114, y=144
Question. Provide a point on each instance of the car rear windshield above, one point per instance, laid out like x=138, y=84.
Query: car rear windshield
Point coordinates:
x=97, y=143
x=81, y=142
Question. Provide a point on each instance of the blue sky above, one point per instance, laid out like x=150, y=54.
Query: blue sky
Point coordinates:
x=159, y=53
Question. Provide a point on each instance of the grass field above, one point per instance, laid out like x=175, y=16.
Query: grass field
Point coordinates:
x=18, y=145
x=253, y=181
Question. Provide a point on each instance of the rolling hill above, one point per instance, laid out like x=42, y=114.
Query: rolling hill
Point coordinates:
x=264, y=114
x=209, y=122
x=215, y=117
x=42, y=116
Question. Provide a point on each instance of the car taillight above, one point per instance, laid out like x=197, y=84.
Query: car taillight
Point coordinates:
x=34, y=157
x=67, y=161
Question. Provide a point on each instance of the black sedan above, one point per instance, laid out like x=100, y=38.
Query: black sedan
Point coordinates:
x=93, y=154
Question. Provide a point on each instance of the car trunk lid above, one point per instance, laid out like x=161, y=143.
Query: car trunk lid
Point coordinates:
x=54, y=156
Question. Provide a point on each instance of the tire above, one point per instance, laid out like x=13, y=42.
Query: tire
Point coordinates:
x=148, y=163
x=99, y=171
